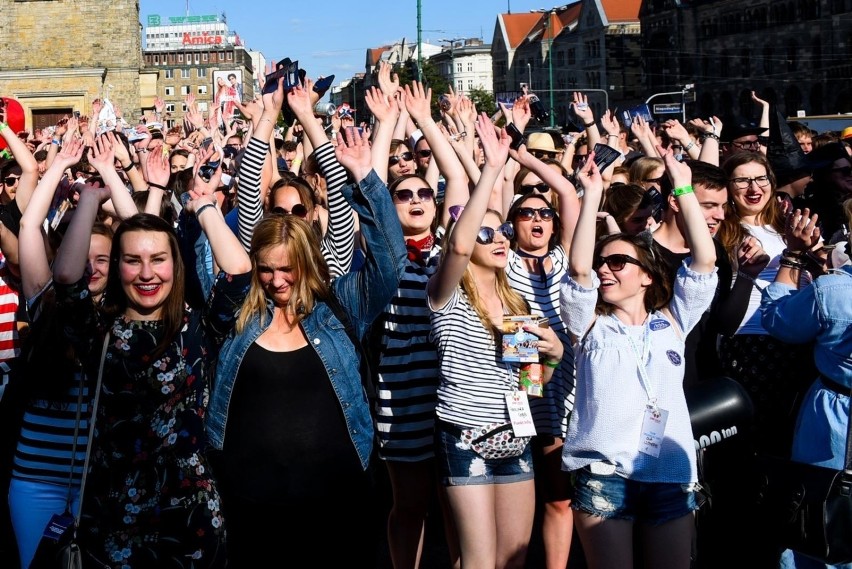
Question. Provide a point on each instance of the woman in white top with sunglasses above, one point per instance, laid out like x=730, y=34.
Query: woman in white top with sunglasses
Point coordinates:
x=630, y=445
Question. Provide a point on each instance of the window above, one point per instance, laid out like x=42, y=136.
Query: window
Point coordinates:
x=184, y=73
x=170, y=73
x=197, y=59
x=470, y=67
x=460, y=86
x=184, y=89
x=156, y=60
x=202, y=89
x=180, y=57
x=183, y=107
x=458, y=67
x=201, y=72
x=229, y=56
x=170, y=107
x=470, y=84
x=204, y=57
x=170, y=91
x=170, y=123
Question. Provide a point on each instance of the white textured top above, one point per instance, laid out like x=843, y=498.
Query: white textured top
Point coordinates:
x=609, y=407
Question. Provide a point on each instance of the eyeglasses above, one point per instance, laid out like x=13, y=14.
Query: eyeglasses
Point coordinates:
x=423, y=194
x=542, y=154
x=615, y=262
x=541, y=188
x=394, y=160
x=11, y=180
x=425, y=153
x=657, y=181
x=486, y=234
x=298, y=210
x=676, y=147
x=527, y=213
x=751, y=144
x=744, y=183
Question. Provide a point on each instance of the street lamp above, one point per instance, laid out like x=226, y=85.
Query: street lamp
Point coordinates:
x=452, y=43
x=529, y=76
x=550, y=65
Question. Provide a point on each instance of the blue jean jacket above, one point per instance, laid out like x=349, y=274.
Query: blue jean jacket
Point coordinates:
x=363, y=294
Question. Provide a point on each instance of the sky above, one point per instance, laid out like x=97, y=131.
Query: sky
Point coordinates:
x=332, y=36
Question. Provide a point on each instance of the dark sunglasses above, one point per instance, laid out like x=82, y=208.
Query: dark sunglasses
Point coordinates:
x=542, y=154
x=615, y=262
x=11, y=180
x=423, y=194
x=394, y=160
x=541, y=187
x=657, y=181
x=527, y=213
x=298, y=210
x=425, y=153
x=486, y=234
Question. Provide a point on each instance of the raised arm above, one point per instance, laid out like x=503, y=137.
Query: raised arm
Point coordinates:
x=386, y=111
x=582, y=248
x=698, y=237
x=462, y=241
x=102, y=157
x=587, y=115
x=35, y=269
x=25, y=159
x=71, y=261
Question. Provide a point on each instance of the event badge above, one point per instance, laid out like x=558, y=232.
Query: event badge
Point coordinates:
x=58, y=525
x=653, y=427
x=520, y=414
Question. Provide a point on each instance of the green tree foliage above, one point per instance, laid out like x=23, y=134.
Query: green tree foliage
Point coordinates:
x=431, y=78
x=484, y=101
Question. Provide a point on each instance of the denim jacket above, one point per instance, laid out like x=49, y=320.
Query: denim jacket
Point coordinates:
x=363, y=294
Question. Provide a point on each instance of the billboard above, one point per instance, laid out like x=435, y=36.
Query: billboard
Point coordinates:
x=227, y=90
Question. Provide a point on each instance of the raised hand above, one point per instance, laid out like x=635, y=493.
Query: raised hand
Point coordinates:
x=158, y=169
x=751, y=258
x=801, y=231
x=299, y=100
x=384, y=108
x=353, y=152
x=389, y=84
x=609, y=122
x=582, y=108
x=70, y=153
x=521, y=113
x=102, y=155
x=159, y=105
x=496, y=148
x=418, y=101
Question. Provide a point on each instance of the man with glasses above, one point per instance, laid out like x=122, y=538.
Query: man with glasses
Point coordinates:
x=740, y=137
x=11, y=174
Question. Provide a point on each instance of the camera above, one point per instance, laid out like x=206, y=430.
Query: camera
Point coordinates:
x=537, y=109
x=328, y=109
x=445, y=103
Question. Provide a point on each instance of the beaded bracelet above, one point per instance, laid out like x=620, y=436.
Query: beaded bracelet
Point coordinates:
x=794, y=254
x=712, y=135
x=682, y=191
x=791, y=264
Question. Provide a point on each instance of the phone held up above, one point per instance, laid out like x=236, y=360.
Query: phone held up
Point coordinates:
x=516, y=135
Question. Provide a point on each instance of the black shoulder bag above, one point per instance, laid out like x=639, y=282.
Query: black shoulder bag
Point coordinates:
x=366, y=371
x=809, y=507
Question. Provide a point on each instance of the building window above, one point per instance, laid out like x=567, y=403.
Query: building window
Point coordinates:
x=201, y=72
x=470, y=84
x=204, y=57
x=170, y=91
x=183, y=107
x=229, y=56
x=170, y=107
x=170, y=74
x=460, y=86
x=170, y=123
x=470, y=67
x=184, y=89
x=184, y=73
x=180, y=57
x=197, y=59
x=458, y=67
x=202, y=89
x=156, y=60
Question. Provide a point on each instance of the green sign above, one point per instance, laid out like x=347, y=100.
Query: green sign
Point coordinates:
x=193, y=19
x=154, y=20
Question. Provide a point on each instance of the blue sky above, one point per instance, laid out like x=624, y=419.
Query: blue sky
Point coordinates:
x=333, y=36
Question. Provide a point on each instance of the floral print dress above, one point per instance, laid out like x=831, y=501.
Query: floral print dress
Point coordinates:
x=150, y=499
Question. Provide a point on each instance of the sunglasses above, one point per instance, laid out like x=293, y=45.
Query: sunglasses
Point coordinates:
x=542, y=154
x=655, y=180
x=11, y=180
x=615, y=262
x=394, y=160
x=541, y=188
x=486, y=234
x=425, y=153
x=298, y=210
x=423, y=194
x=527, y=213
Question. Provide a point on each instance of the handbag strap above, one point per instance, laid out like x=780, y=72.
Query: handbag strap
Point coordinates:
x=77, y=420
x=94, y=414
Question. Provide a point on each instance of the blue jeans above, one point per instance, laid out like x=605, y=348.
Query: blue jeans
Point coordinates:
x=615, y=497
x=32, y=504
x=460, y=465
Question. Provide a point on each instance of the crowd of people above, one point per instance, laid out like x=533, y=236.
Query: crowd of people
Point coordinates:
x=241, y=339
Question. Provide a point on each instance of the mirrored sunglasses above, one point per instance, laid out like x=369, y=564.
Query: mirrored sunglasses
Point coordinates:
x=298, y=210
x=394, y=160
x=528, y=213
x=405, y=196
x=486, y=234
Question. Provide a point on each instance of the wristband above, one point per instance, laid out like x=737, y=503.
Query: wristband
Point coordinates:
x=793, y=254
x=589, y=124
x=612, y=136
x=745, y=276
x=56, y=141
x=791, y=264
x=712, y=135
x=682, y=191
x=3, y=126
x=202, y=208
x=129, y=167
x=552, y=364
x=689, y=146
x=158, y=186
x=297, y=162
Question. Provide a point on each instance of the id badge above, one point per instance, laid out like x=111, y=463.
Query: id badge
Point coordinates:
x=58, y=525
x=520, y=414
x=653, y=428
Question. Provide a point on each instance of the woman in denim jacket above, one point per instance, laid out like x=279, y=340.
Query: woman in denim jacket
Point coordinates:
x=288, y=418
x=818, y=313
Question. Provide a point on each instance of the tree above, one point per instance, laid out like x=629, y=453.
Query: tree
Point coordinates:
x=484, y=101
x=431, y=78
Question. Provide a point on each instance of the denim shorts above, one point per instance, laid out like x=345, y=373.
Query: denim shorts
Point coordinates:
x=459, y=465
x=615, y=497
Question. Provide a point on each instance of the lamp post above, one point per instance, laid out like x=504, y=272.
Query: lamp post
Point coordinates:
x=452, y=43
x=550, y=65
x=529, y=76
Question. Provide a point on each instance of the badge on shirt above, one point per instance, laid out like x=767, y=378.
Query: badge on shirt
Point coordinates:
x=520, y=414
x=674, y=357
x=653, y=428
x=658, y=324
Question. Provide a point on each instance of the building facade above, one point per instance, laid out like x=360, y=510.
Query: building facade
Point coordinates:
x=54, y=66
x=466, y=64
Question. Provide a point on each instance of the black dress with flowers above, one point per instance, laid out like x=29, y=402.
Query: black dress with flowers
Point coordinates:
x=150, y=499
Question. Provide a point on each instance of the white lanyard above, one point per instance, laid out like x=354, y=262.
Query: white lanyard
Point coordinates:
x=641, y=356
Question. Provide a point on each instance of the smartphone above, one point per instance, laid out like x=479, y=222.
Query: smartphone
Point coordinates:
x=77, y=114
x=287, y=69
x=638, y=111
x=605, y=156
x=322, y=85
x=516, y=136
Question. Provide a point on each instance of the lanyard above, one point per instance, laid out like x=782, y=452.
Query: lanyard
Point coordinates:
x=641, y=356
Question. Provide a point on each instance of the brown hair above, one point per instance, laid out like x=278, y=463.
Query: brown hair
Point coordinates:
x=659, y=292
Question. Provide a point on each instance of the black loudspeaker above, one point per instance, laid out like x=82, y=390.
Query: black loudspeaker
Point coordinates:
x=720, y=409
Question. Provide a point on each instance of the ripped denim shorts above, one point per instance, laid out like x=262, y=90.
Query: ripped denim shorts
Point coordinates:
x=613, y=496
x=460, y=465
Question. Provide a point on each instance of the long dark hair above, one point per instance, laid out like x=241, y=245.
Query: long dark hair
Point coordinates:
x=115, y=299
x=555, y=238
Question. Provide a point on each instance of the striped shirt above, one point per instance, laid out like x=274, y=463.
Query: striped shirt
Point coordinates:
x=9, y=343
x=408, y=369
x=551, y=411
x=339, y=240
x=473, y=378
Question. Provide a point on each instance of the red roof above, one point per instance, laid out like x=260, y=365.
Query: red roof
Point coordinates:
x=518, y=27
x=375, y=54
x=621, y=10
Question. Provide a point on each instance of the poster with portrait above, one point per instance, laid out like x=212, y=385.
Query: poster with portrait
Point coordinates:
x=227, y=90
